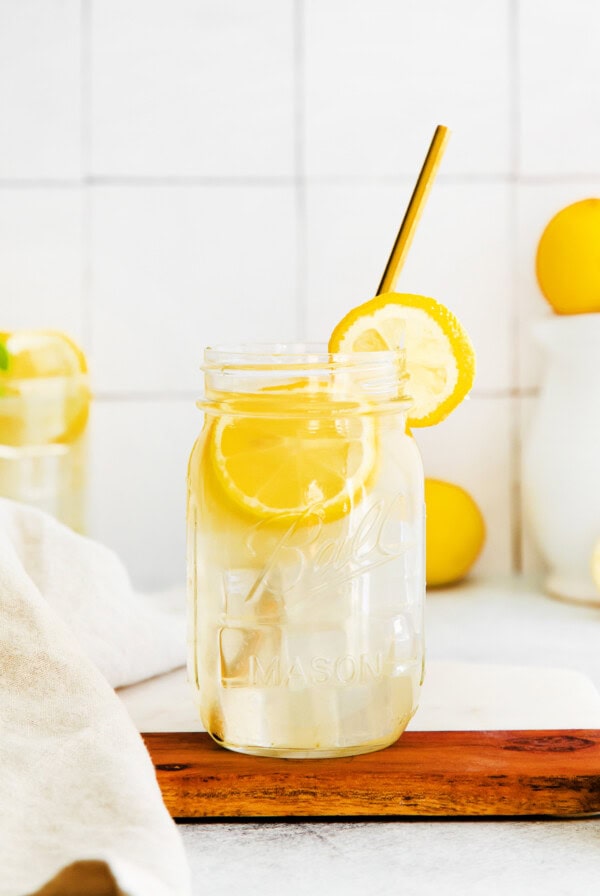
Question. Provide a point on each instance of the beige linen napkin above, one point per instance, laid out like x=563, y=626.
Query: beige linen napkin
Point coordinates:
x=80, y=811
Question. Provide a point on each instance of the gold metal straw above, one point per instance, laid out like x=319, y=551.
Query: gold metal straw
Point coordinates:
x=414, y=209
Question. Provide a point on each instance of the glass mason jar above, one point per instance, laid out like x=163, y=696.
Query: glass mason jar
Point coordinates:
x=44, y=409
x=305, y=552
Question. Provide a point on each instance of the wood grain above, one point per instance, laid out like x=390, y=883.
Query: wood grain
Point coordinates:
x=425, y=773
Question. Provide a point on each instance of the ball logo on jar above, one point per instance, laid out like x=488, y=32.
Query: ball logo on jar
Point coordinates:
x=315, y=555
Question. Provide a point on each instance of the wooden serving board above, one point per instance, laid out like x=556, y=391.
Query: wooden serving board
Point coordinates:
x=425, y=773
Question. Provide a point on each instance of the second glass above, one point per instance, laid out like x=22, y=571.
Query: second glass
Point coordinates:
x=44, y=409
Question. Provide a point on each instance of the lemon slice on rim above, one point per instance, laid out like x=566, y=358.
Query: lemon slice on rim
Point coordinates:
x=277, y=464
x=439, y=356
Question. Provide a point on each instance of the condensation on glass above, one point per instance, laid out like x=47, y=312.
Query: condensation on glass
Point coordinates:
x=306, y=626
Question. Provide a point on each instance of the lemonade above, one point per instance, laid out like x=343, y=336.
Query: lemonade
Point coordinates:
x=305, y=539
x=44, y=407
x=306, y=558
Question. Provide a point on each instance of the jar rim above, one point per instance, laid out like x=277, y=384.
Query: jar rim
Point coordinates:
x=357, y=380
x=293, y=356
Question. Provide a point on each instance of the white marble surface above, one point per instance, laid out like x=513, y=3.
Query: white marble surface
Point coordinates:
x=512, y=622
x=455, y=697
x=408, y=858
x=491, y=623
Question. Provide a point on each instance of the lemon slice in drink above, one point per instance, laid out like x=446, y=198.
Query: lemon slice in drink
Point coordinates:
x=42, y=353
x=293, y=457
x=439, y=355
x=44, y=372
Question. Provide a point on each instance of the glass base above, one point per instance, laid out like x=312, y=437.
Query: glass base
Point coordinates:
x=50, y=477
x=572, y=589
x=283, y=752
x=288, y=753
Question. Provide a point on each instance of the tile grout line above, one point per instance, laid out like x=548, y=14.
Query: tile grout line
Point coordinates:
x=175, y=181
x=516, y=519
x=299, y=172
x=86, y=145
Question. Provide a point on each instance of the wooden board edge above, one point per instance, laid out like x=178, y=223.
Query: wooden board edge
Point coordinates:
x=544, y=774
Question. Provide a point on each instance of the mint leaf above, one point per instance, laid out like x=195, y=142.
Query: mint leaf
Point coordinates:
x=4, y=357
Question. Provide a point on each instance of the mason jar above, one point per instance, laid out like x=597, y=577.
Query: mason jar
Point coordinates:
x=305, y=552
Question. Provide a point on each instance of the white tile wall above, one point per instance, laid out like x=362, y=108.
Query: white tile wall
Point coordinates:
x=177, y=268
x=176, y=172
x=40, y=258
x=182, y=87
x=139, y=456
x=350, y=231
x=379, y=74
x=40, y=89
x=559, y=66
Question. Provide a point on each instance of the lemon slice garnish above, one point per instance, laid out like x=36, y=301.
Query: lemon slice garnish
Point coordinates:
x=275, y=462
x=439, y=356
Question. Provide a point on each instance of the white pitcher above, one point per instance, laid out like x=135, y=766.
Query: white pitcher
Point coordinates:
x=561, y=470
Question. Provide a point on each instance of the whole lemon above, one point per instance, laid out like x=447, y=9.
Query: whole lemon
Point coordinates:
x=568, y=259
x=455, y=532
